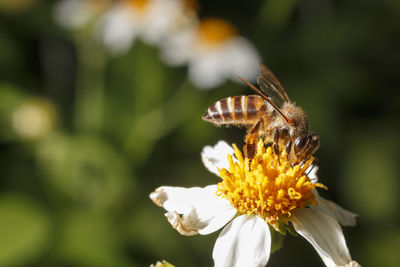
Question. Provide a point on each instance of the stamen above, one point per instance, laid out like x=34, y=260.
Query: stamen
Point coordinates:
x=272, y=188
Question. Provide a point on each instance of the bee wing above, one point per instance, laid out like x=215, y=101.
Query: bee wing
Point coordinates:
x=267, y=98
x=271, y=86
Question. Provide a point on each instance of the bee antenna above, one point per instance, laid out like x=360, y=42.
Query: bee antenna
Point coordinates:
x=258, y=91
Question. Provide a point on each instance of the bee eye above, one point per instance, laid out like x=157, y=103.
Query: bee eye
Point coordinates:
x=300, y=143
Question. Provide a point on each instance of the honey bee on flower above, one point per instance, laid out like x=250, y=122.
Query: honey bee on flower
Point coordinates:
x=213, y=51
x=274, y=194
x=270, y=115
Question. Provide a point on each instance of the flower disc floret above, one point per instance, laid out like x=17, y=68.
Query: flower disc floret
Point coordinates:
x=269, y=185
x=215, y=31
x=140, y=5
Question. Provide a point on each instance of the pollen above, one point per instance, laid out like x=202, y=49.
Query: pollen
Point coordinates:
x=215, y=31
x=269, y=185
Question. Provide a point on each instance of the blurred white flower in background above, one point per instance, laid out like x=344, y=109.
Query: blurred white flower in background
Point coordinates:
x=213, y=51
x=34, y=118
x=150, y=20
x=75, y=14
x=212, y=48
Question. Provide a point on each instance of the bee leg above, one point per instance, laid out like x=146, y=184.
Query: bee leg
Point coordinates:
x=276, y=135
x=288, y=149
x=275, y=145
x=251, y=140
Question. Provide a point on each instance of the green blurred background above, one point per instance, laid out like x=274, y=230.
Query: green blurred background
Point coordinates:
x=118, y=127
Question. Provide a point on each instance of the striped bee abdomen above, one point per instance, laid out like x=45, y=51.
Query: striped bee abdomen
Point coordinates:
x=236, y=110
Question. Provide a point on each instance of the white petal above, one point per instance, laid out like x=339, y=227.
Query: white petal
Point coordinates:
x=325, y=234
x=352, y=264
x=182, y=200
x=246, y=241
x=312, y=174
x=203, y=212
x=242, y=58
x=216, y=157
x=159, y=19
x=212, y=66
x=179, y=224
x=344, y=217
x=176, y=49
x=118, y=30
x=207, y=70
x=72, y=14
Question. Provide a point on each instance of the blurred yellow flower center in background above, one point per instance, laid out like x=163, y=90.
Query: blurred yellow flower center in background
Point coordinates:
x=99, y=5
x=215, y=31
x=271, y=188
x=34, y=118
x=139, y=5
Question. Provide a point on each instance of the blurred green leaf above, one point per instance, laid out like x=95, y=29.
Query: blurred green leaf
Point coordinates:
x=381, y=247
x=157, y=236
x=89, y=240
x=10, y=56
x=148, y=230
x=85, y=169
x=89, y=96
x=276, y=13
x=150, y=127
x=371, y=176
x=148, y=75
x=16, y=5
x=10, y=97
x=135, y=97
x=25, y=230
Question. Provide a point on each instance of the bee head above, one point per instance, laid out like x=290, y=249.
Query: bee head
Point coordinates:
x=297, y=117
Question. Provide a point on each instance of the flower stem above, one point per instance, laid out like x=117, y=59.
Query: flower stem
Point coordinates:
x=153, y=125
x=89, y=94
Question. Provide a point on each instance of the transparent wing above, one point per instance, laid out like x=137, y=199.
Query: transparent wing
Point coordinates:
x=271, y=86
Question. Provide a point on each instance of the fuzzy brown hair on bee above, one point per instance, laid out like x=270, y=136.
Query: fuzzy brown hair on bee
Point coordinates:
x=270, y=115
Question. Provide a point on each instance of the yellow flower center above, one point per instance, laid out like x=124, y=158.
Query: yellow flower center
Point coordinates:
x=215, y=31
x=139, y=5
x=270, y=187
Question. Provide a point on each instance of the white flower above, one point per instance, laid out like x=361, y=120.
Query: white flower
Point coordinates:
x=147, y=19
x=213, y=51
x=74, y=14
x=246, y=236
x=34, y=118
x=162, y=264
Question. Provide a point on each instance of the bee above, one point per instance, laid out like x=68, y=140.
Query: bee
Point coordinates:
x=270, y=115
